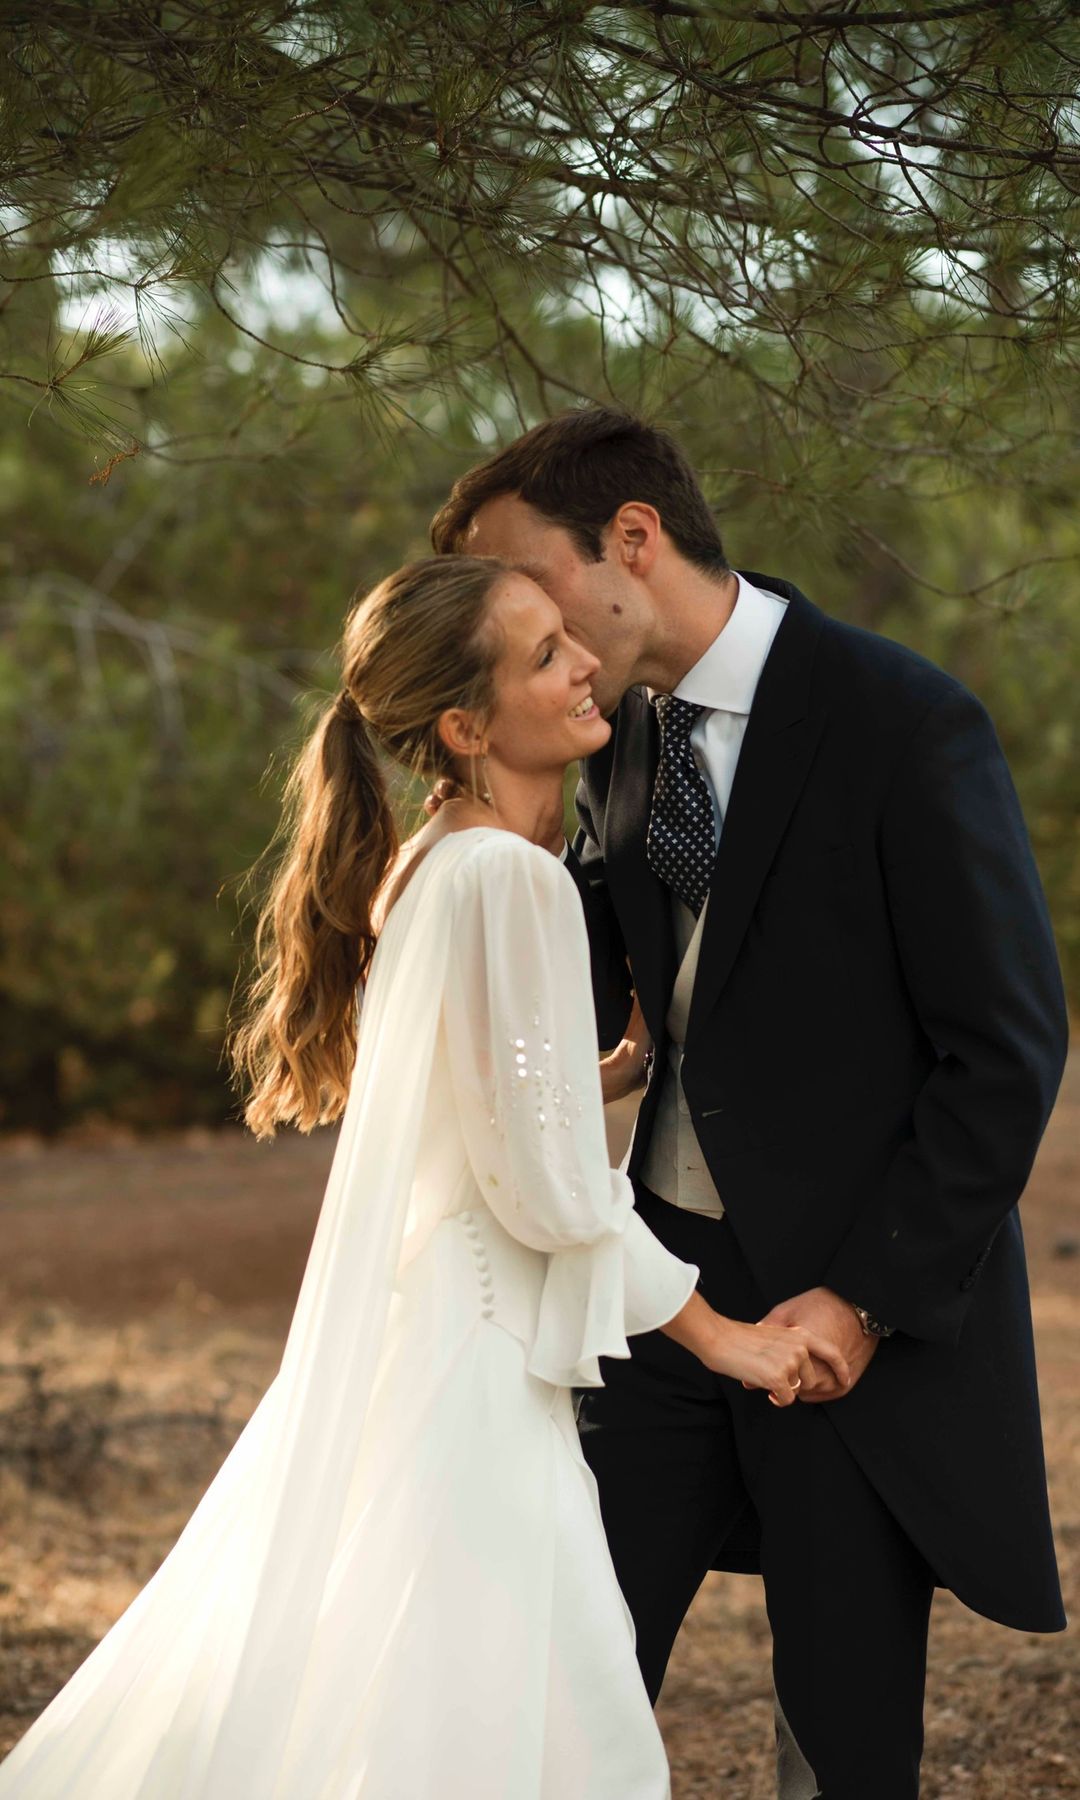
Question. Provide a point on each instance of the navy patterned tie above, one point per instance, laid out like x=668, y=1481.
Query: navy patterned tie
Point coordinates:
x=681, y=840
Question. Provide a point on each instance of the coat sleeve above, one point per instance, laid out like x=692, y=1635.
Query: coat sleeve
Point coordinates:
x=611, y=982
x=525, y=1060
x=979, y=962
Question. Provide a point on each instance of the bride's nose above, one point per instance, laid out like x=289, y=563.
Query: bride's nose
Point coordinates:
x=585, y=663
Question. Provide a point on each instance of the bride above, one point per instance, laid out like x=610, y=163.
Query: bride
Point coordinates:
x=397, y=1586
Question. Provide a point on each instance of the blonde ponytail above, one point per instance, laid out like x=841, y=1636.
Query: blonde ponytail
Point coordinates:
x=413, y=648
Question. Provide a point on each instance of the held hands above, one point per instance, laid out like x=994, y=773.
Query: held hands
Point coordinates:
x=624, y=1070
x=777, y=1358
x=822, y=1312
x=782, y=1359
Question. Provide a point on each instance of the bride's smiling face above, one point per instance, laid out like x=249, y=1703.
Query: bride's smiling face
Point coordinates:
x=545, y=716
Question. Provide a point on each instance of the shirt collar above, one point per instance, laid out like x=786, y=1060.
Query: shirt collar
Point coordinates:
x=725, y=679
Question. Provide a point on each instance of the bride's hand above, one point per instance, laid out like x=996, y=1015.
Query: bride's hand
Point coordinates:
x=774, y=1357
x=624, y=1070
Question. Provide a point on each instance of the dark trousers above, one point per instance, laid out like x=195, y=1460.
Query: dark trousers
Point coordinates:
x=686, y=1461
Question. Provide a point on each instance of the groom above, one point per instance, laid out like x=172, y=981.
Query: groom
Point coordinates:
x=803, y=850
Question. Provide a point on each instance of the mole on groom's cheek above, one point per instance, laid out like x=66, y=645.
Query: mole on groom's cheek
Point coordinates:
x=615, y=607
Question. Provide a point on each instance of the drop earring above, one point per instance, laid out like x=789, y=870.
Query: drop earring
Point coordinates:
x=485, y=789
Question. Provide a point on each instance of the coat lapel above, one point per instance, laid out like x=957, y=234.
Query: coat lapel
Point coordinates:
x=777, y=750
x=641, y=899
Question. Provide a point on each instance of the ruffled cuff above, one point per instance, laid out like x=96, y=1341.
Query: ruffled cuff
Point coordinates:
x=597, y=1295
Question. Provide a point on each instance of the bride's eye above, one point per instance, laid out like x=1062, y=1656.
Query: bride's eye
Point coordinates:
x=547, y=658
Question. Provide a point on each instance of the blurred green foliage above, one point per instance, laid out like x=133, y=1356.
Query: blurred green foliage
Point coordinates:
x=162, y=629
x=158, y=634
x=274, y=274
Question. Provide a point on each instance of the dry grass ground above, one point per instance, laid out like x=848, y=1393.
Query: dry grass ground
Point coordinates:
x=144, y=1296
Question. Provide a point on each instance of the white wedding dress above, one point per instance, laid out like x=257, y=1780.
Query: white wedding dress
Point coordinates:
x=397, y=1587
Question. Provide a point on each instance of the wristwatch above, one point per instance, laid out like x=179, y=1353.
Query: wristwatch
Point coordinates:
x=871, y=1327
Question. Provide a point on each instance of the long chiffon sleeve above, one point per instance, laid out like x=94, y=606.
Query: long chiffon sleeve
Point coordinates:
x=522, y=1039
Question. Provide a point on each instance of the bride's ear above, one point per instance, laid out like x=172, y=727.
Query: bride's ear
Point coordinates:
x=461, y=732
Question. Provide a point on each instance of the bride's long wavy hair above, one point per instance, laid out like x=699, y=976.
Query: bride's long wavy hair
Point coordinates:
x=418, y=645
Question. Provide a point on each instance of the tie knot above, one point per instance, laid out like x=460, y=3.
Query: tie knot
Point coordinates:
x=676, y=717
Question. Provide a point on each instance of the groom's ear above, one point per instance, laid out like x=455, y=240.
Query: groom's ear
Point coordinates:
x=633, y=537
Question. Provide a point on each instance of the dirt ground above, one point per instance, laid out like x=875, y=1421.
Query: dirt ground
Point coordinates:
x=145, y=1291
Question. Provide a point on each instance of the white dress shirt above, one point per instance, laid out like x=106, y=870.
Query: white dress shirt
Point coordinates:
x=723, y=681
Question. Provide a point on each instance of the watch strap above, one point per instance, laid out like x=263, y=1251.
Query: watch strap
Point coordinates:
x=871, y=1327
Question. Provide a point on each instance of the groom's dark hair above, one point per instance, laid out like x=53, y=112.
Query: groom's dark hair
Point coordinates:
x=577, y=470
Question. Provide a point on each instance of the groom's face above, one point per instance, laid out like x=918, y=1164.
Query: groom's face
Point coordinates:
x=600, y=603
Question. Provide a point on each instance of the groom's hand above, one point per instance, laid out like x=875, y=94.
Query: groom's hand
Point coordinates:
x=442, y=791
x=832, y=1317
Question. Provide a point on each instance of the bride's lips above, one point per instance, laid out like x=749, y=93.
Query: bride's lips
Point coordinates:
x=585, y=709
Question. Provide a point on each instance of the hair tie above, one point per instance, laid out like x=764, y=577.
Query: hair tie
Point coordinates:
x=346, y=708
